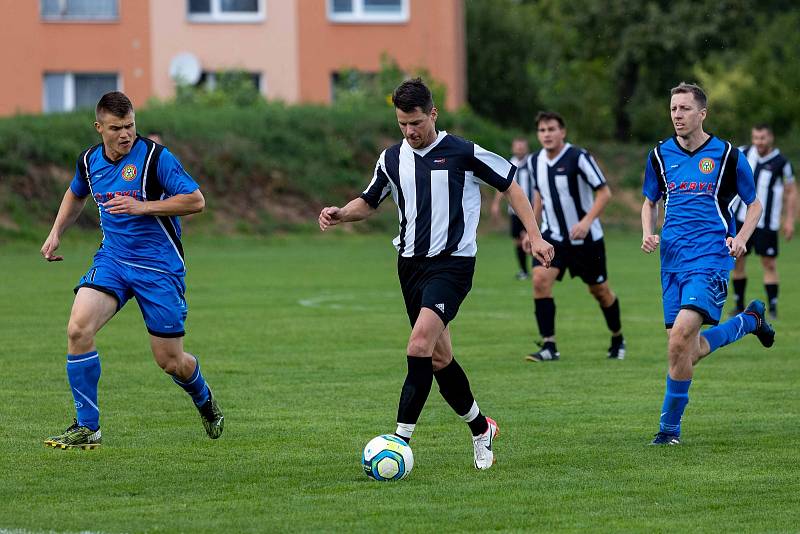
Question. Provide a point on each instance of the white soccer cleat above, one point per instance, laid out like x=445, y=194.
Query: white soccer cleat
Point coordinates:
x=482, y=444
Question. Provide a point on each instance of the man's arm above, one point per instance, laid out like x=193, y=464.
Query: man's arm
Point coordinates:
x=176, y=205
x=71, y=206
x=581, y=228
x=356, y=210
x=537, y=207
x=650, y=239
x=738, y=245
x=541, y=249
x=790, y=207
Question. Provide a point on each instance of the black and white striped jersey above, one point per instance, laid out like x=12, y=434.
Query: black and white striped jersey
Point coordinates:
x=566, y=185
x=771, y=173
x=523, y=179
x=436, y=190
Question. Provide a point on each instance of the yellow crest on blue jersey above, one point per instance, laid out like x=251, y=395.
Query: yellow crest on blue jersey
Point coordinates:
x=706, y=165
x=129, y=172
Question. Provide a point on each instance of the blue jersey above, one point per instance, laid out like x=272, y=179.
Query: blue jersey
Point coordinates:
x=148, y=172
x=698, y=189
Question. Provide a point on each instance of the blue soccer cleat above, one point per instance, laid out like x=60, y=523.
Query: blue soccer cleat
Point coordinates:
x=662, y=438
x=764, y=331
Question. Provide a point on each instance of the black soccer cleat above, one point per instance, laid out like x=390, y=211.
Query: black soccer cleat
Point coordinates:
x=764, y=331
x=211, y=417
x=617, y=349
x=662, y=438
x=547, y=353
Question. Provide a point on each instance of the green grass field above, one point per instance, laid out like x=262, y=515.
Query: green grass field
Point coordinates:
x=303, y=340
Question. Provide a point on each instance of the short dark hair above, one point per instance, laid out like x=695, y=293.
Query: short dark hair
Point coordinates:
x=692, y=89
x=412, y=94
x=549, y=116
x=116, y=103
x=762, y=126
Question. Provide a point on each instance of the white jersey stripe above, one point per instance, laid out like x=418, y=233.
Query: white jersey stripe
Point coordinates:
x=440, y=210
x=408, y=183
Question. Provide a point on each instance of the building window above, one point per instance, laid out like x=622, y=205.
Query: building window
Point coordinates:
x=66, y=91
x=79, y=10
x=226, y=10
x=368, y=11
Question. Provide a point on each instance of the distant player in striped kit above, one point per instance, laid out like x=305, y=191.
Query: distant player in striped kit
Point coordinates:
x=776, y=190
x=519, y=152
x=570, y=193
x=434, y=178
x=140, y=189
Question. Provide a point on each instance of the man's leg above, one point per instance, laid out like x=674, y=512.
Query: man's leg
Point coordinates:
x=185, y=372
x=91, y=310
x=545, y=312
x=739, y=284
x=609, y=304
x=771, y=283
x=427, y=329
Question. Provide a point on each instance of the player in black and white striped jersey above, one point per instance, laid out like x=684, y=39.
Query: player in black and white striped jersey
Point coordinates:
x=519, y=153
x=776, y=189
x=434, y=179
x=570, y=193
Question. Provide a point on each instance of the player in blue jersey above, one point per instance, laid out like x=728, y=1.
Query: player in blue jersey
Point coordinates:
x=140, y=190
x=698, y=176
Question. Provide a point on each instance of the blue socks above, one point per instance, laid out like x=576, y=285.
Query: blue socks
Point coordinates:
x=195, y=386
x=731, y=330
x=675, y=400
x=83, y=372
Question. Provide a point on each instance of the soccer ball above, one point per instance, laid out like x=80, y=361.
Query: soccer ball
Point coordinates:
x=387, y=457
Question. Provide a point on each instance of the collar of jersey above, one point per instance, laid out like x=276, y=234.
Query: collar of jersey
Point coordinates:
x=112, y=162
x=768, y=157
x=423, y=151
x=691, y=153
x=551, y=162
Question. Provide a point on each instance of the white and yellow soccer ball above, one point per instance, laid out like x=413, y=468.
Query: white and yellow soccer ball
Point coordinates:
x=387, y=457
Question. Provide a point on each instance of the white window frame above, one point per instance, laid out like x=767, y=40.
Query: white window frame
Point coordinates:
x=59, y=18
x=219, y=17
x=359, y=16
x=69, y=90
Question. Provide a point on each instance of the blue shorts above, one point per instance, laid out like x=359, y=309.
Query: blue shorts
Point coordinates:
x=703, y=291
x=160, y=295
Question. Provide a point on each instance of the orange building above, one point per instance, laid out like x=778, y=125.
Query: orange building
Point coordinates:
x=57, y=55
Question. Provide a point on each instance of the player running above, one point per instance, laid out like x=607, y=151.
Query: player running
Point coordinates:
x=698, y=175
x=140, y=189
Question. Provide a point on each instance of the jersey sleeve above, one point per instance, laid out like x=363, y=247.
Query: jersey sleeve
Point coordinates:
x=788, y=173
x=745, y=183
x=173, y=178
x=379, y=187
x=590, y=171
x=79, y=185
x=491, y=168
x=650, y=188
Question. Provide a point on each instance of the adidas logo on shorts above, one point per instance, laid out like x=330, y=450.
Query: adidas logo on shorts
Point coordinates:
x=440, y=307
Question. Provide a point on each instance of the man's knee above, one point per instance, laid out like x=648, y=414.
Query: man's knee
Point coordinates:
x=419, y=344
x=79, y=332
x=542, y=283
x=603, y=294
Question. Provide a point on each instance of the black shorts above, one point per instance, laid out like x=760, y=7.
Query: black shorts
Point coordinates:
x=440, y=284
x=587, y=261
x=516, y=226
x=763, y=241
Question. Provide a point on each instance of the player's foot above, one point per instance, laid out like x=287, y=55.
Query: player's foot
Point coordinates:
x=764, y=331
x=617, y=349
x=662, y=438
x=482, y=444
x=522, y=275
x=211, y=416
x=547, y=353
x=75, y=437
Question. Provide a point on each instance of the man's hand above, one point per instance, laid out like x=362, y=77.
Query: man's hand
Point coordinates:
x=788, y=230
x=48, y=249
x=579, y=230
x=650, y=243
x=330, y=216
x=540, y=249
x=121, y=204
x=736, y=246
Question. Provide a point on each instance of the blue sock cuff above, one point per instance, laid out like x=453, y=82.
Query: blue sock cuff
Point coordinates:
x=81, y=357
x=678, y=387
x=749, y=322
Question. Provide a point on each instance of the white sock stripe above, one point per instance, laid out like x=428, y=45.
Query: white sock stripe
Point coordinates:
x=96, y=355
x=87, y=399
x=472, y=413
x=405, y=429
